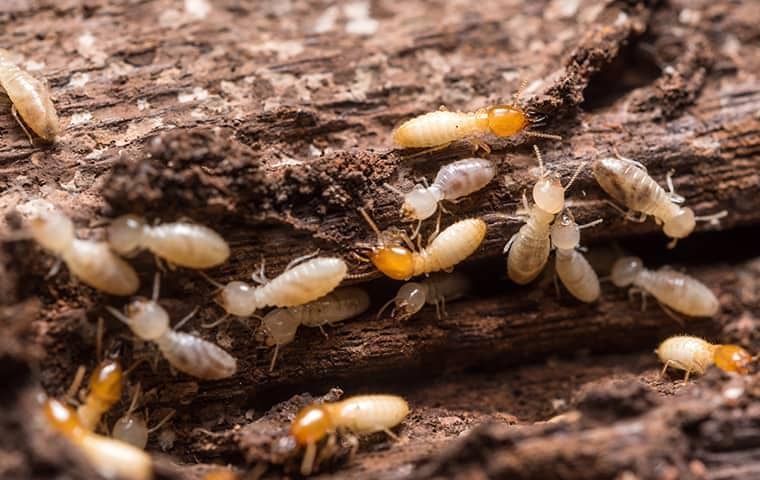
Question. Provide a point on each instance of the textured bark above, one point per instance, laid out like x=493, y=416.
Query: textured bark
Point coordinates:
x=271, y=124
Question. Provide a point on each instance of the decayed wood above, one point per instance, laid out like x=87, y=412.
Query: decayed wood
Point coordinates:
x=254, y=122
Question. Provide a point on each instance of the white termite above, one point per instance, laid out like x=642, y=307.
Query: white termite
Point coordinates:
x=92, y=262
x=529, y=247
x=30, y=98
x=187, y=353
x=131, y=427
x=435, y=290
x=629, y=183
x=184, y=244
x=299, y=284
x=576, y=273
x=281, y=324
x=672, y=289
x=453, y=182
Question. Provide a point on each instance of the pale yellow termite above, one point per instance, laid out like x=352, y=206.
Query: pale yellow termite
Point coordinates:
x=571, y=266
x=694, y=355
x=281, y=324
x=132, y=428
x=360, y=415
x=440, y=128
x=450, y=247
x=30, y=98
x=628, y=182
x=92, y=262
x=183, y=244
x=113, y=459
x=187, y=353
x=672, y=289
x=299, y=284
x=529, y=247
x=436, y=290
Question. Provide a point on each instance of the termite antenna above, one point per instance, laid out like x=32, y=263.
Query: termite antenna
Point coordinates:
x=187, y=318
x=162, y=422
x=135, y=398
x=370, y=222
x=382, y=309
x=156, y=286
x=118, y=314
x=359, y=276
x=575, y=175
x=71, y=393
x=520, y=90
x=540, y=160
x=713, y=219
x=274, y=358
x=211, y=281
x=550, y=136
x=590, y=224
x=216, y=322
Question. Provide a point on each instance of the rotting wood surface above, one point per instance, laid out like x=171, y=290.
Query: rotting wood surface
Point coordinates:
x=272, y=125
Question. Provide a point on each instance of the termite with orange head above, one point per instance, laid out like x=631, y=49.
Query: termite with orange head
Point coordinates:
x=440, y=128
x=453, y=245
x=105, y=390
x=187, y=353
x=436, y=290
x=576, y=273
x=183, y=244
x=30, y=98
x=529, y=247
x=360, y=415
x=628, y=182
x=299, y=284
x=281, y=324
x=672, y=289
x=113, y=459
x=694, y=355
x=453, y=182
x=92, y=262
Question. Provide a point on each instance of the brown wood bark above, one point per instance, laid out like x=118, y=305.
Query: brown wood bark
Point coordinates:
x=245, y=118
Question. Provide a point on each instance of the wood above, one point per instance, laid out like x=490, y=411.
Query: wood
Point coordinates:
x=252, y=121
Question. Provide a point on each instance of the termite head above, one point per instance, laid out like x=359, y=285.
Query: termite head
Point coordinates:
x=396, y=262
x=49, y=227
x=419, y=204
x=680, y=225
x=105, y=383
x=410, y=299
x=280, y=326
x=147, y=319
x=125, y=233
x=732, y=358
x=549, y=194
x=311, y=425
x=506, y=120
x=625, y=269
x=236, y=298
x=131, y=429
x=62, y=417
x=565, y=233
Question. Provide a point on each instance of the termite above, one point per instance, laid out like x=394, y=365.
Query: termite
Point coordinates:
x=105, y=390
x=672, y=289
x=529, y=248
x=131, y=427
x=628, y=182
x=694, y=355
x=183, y=244
x=571, y=266
x=30, y=98
x=440, y=128
x=360, y=415
x=436, y=290
x=281, y=324
x=450, y=247
x=111, y=458
x=453, y=182
x=296, y=285
x=187, y=353
x=92, y=262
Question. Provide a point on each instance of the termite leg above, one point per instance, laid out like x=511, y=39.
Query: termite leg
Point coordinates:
x=672, y=243
x=417, y=229
x=627, y=214
x=23, y=127
x=307, y=464
x=509, y=244
x=686, y=376
x=274, y=358
x=480, y=144
x=672, y=314
x=156, y=286
x=260, y=276
x=426, y=151
x=321, y=329
x=437, y=310
x=674, y=197
x=187, y=318
x=300, y=259
x=556, y=285
x=353, y=440
x=54, y=269
x=215, y=323
x=71, y=392
x=625, y=159
x=437, y=229
x=382, y=309
x=443, y=307
x=665, y=368
x=575, y=175
x=392, y=435
x=633, y=291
